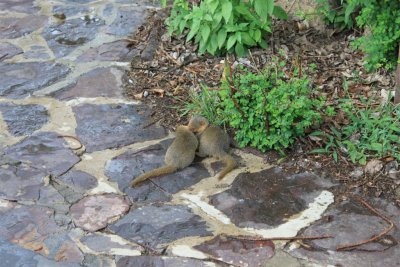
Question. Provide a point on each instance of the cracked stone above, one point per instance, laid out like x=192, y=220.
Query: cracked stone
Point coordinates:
x=79, y=180
x=23, y=119
x=44, y=151
x=109, y=245
x=97, y=260
x=34, y=228
x=18, y=27
x=37, y=52
x=268, y=198
x=66, y=37
x=23, y=6
x=238, y=252
x=155, y=225
x=8, y=50
x=95, y=212
x=19, y=80
x=128, y=19
x=111, y=126
x=115, y=51
x=104, y=82
x=146, y=261
x=132, y=163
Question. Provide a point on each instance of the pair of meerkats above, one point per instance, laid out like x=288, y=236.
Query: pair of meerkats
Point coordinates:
x=211, y=141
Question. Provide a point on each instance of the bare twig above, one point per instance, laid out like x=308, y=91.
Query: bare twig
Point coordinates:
x=75, y=138
x=232, y=86
x=374, y=237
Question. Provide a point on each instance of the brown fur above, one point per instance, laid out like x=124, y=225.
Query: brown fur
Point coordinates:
x=179, y=155
x=214, y=142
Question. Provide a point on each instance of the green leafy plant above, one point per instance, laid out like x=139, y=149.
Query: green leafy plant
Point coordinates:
x=380, y=18
x=220, y=26
x=267, y=109
x=371, y=132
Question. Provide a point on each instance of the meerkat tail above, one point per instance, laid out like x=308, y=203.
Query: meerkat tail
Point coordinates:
x=230, y=164
x=153, y=173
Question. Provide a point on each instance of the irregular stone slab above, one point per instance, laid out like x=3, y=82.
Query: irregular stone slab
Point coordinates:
x=98, y=260
x=95, y=212
x=8, y=50
x=45, y=151
x=33, y=228
x=23, y=6
x=70, y=10
x=124, y=167
x=110, y=245
x=22, y=79
x=37, y=52
x=159, y=224
x=238, y=252
x=115, y=51
x=79, y=1
x=79, y=180
x=13, y=255
x=17, y=27
x=145, y=261
x=350, y=222
x=128, y=19
x=64, y=38
x=23, y=119
x=269, y=197
x=104, y=82
x=111, y=126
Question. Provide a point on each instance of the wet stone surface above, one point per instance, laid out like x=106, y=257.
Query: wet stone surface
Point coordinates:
x=23, y=119
x=44, y=151
x=8, y=50
x=238, y=252
x=22, y=79
x=95, y=212
x=350, y=222
x=101, y=82
x=64, y=38
x=112, y=126
x=124, y=167
x=153, y=225
x=145, y=261
x=268, y=198
x=20, y=27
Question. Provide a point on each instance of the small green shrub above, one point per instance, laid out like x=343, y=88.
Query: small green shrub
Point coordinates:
x=220, y=26
x=267, y=110
x=337, y=13
x=371, y=132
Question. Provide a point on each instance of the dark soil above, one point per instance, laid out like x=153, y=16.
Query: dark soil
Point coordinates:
x=165, y=69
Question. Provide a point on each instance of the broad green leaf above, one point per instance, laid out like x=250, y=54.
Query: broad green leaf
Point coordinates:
x=231, y=41
x=261, y=8
x=213, y=44
x=212, y=5
x=239, y=50
x=205, y=32
x=319, y=150
x=221, y=37
x=280, y=13
x=226, y=10
x=257, y=35
x=270, y=6
x=193, y=30
x=247, y=40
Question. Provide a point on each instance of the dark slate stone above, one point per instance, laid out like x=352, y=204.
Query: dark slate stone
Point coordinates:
x=64, y=38
x=23, y=6
x=124, y=167
x=239, y=252
x=269, y=197
x=103, y=244
x=22, y=79
x=157, y=261
x=8, y=50
x=34, y=228
x=351, y=222
x=111, y=126
x=105, y=82
x=45, y=151
x=79, y=180
x=115, y=51
x=18, y=27
x=23, y=119
x=13, y=255
x=155, y=225
x=128, y=19
x=70, y=10
x=95, y=212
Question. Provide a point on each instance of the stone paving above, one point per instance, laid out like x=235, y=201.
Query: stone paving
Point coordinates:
x=62, y=64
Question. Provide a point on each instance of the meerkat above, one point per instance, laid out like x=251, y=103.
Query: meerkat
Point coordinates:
x=179, y=155
x=214, y=142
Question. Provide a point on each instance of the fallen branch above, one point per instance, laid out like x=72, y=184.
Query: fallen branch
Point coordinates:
x=249, y=238
x=374, y=237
